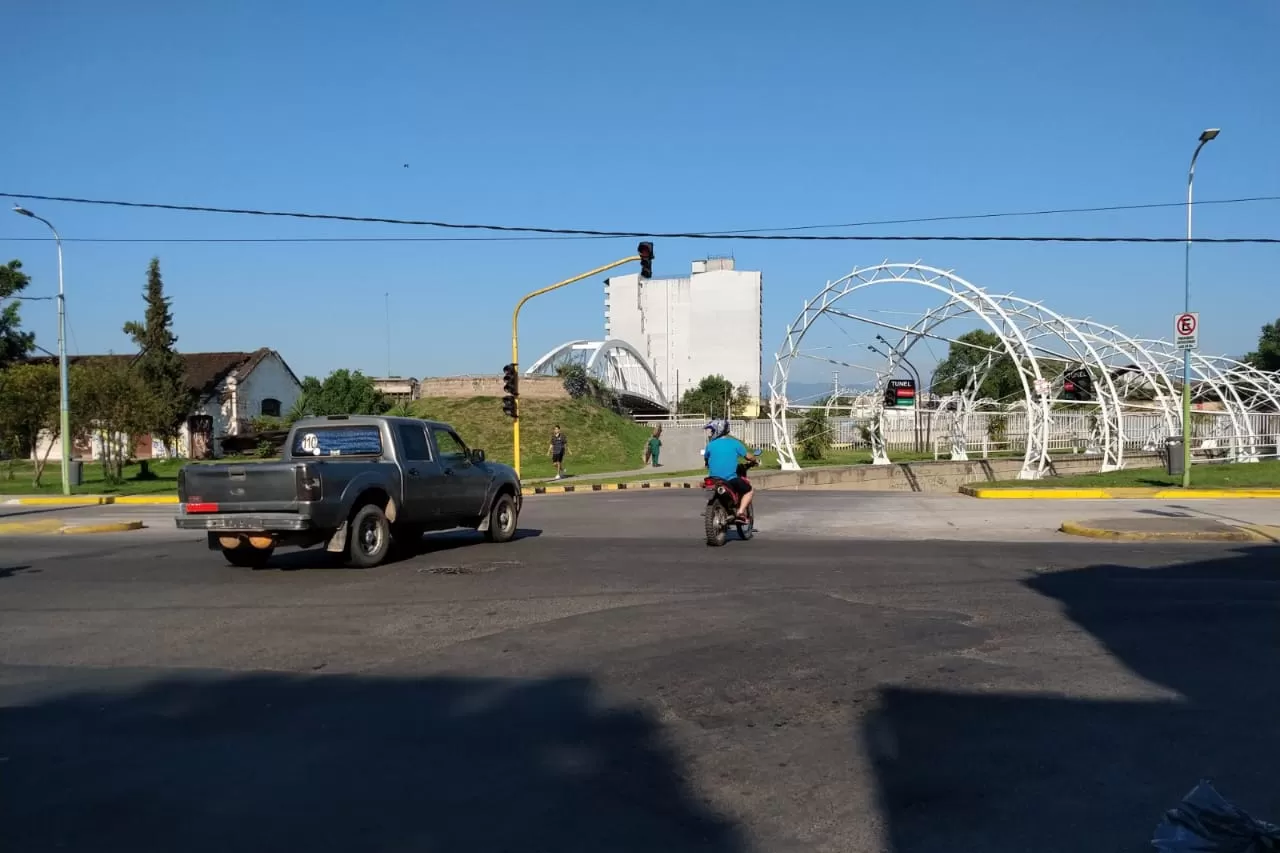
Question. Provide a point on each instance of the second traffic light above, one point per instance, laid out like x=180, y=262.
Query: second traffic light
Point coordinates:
x=645, y=251
x=510, y=385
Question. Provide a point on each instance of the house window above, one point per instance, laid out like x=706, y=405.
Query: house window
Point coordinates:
x=270, y=408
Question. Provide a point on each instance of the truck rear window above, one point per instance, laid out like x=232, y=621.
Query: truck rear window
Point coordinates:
x=338, y=441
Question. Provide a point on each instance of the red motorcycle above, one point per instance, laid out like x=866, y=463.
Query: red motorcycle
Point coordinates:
x=722, y=508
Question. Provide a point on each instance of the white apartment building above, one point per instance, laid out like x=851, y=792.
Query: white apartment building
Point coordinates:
x=706, y=323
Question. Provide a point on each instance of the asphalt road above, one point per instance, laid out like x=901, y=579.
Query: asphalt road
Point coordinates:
x=609, y=683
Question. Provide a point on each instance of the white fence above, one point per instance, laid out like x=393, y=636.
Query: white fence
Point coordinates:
x=905, y=432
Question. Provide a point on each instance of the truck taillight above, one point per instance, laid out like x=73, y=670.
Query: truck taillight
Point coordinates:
x=308, y=484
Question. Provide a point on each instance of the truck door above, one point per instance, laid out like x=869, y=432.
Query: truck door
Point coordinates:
x=422, y=477
x=466, y=483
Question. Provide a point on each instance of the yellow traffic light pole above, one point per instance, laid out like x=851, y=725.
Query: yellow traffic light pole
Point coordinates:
x=515, y=337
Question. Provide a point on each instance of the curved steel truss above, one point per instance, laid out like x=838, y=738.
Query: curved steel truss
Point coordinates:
x=614, y=362
x=1129, y=376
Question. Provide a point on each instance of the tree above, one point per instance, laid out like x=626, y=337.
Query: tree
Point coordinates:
x=1267, y=355
x=29, y=406
x=814, y=434
x=968, y=352
x=110, y=399
x=160, y=368
x=714, y=397
x=342, y=392
x=14, y=343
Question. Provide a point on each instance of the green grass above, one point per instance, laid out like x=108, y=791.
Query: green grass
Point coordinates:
x=1237, y=475
x=165, y=480
x=599, y=440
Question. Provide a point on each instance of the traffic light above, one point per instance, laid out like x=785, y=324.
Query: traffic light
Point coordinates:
x=510, y=385
x=900, y=393
x=645, y=251
x=1077, y=384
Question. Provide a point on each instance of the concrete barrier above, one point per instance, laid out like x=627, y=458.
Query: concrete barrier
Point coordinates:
x=942, y=476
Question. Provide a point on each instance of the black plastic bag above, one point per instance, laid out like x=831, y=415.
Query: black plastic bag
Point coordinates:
x=1204, y=822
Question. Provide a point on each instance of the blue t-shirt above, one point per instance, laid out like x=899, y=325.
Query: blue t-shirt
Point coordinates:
x=722, y=457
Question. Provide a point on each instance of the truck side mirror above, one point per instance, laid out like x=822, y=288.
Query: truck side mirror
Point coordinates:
x=477, y=456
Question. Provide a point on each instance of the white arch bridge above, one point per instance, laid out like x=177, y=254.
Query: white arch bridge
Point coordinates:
x=616, y=364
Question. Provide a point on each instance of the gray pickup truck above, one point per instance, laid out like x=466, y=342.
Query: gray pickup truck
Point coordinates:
x=355, y=483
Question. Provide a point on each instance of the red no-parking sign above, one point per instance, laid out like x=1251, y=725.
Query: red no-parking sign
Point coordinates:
x=1186, y=330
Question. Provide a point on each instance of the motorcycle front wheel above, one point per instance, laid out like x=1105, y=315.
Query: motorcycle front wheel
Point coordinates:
x=746, y=531
x=714, y=522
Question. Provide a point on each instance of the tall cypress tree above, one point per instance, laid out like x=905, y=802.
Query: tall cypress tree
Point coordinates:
x=160, y=367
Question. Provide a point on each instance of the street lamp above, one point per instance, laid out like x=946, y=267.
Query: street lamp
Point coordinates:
x=63, y=394
x=1205, y=138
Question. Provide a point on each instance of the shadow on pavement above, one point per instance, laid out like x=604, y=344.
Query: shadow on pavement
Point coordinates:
x=342, y=763
x=979, y=771
x=432, y=543
x=10, y=571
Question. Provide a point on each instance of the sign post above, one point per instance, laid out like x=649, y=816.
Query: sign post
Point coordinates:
x=1186, y=330
x=1186, y=337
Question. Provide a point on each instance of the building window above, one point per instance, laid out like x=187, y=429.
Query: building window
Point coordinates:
x=270, y=408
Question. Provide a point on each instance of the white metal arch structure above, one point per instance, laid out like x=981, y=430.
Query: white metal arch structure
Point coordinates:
x=1242, y=440
x=1038, y=322
x=1133, y=355
x=952, y=287
x=614, y=362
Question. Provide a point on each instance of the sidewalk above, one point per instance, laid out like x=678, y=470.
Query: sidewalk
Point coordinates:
x=571, y=478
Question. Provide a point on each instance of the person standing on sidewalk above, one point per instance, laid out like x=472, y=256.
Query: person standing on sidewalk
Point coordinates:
x=559, y=447
x=655, y=445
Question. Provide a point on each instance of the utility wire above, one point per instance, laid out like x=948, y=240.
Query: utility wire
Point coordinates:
x=693, y=235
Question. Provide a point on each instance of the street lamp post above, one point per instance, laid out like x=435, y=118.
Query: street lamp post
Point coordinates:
x=1206, y=137
x=64, y=424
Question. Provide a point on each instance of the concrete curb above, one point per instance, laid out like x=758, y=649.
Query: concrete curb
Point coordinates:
x=607, y=487
x=94, y=500
x=1251, y=533
x=1117, y=494
x=57, y=527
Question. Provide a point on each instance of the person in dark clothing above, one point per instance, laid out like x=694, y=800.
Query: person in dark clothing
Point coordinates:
x=559, y=447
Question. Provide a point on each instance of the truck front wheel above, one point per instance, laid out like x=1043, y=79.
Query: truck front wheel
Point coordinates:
x=369, y=537
x=503, y=519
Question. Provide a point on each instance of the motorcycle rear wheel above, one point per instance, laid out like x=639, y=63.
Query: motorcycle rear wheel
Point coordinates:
x=714, y=522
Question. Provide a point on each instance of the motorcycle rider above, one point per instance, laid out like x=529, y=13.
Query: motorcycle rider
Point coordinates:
x=722, y=453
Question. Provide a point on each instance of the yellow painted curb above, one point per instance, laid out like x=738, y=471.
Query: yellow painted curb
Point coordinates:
x=605, y=487
x=63, y=500
x=1216, y=494
x=56, y=526
x=1239, y=534
x=20, y=528
x=106, y=527
x=1036, y=494
x=96, y=500
x=1118, y=493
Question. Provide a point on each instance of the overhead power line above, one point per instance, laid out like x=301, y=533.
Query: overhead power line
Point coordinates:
x=692, y=235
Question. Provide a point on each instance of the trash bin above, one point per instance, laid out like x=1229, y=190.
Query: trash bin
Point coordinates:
x=75, y=472
x=1173, y=455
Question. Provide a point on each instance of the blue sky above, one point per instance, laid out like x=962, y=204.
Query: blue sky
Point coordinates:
x=661, y=115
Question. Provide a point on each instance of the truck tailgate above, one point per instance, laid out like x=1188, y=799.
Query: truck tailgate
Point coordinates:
x=255, y=487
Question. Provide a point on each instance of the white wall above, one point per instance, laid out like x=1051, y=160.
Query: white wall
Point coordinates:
x=688, y=328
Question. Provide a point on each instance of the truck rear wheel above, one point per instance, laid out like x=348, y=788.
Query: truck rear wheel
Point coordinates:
x=369, y=538
x=248, y=557
x=503, y=519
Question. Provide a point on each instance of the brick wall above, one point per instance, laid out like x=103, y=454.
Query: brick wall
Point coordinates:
x=531, y=387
